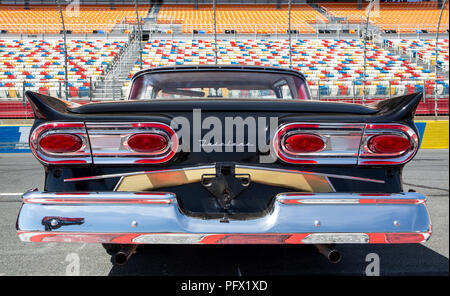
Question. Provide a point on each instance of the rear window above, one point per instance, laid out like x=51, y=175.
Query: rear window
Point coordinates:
x=218, y=85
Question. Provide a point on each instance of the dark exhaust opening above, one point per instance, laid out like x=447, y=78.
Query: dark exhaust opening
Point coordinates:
x=121, y=257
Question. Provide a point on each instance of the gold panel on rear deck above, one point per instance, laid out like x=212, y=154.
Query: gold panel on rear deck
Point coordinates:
x=292, y=180
x=285, y=179
x=155, y=180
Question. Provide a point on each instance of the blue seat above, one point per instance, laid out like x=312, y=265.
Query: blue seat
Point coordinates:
x=83, y=91
x=381, y=90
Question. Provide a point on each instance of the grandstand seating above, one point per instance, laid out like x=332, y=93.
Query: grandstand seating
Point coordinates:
x=334, y=68
x=46, y=18
x=241, y=18
x=339, y=63
x=336, y=64
x=402, y=17
x=424, y=50
x=39, y=65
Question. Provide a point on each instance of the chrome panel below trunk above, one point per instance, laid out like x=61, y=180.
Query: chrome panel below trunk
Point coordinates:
x=152, y=217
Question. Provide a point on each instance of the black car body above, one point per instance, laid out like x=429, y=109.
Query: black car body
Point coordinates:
x=187, y=159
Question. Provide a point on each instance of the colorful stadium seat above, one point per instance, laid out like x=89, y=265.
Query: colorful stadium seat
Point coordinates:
x=402, y=17
x=261, y=19
x=40, y=19
x=40, y=66
x=338, y=64
x=424, y=50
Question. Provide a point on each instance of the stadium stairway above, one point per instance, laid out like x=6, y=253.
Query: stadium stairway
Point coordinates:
x=112, y=88
x=320, y=10
x=402, y=55
x=153, y=13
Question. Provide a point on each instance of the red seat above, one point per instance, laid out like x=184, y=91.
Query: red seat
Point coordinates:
x=73, y=91
x=43, y=90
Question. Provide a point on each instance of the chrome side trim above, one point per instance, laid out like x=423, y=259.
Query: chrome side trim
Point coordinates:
x=224, y=238
x=136, y=173
x=292, y=198
x=99, y=198
x=312, y=173
x=336, y=238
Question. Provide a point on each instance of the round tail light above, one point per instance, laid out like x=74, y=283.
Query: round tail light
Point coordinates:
x=148, y=143
x=389, y=144
x=60, y=143
x=303, y=143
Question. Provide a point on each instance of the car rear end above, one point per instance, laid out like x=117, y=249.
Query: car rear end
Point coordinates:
x=211, y=170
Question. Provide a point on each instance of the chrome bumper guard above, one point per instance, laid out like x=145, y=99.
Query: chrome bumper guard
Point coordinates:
x=154, y=218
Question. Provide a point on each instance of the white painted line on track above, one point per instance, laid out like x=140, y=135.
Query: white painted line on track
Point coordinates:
x=11, y=194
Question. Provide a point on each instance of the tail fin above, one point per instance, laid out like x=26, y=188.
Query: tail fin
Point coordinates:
x=48, y=108
x=400, y=108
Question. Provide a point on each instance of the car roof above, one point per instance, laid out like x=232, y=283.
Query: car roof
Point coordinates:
x=184, y=68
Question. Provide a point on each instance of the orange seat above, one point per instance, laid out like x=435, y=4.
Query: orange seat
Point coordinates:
x=402, y=17
x=242, y=18
x=46, y=18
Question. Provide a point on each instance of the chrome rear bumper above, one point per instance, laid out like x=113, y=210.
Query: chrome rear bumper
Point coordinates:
x=154, y=218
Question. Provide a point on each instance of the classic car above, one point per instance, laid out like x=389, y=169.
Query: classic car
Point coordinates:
x=223, y=155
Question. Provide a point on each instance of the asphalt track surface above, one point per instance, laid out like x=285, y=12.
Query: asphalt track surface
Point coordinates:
x=428, y=173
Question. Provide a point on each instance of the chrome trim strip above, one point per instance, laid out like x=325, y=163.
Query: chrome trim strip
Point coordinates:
x=330, y=183
x=337, y=238
x=136, y=173
x=34, y=197
x=293, y=198
x=117, y=185
x=311, y=173
x=225, y=238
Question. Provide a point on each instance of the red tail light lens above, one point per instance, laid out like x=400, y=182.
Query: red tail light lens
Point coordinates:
x=404, y=238
x=148, y=143
x=303, y=143
x=60, y=143
x=388, y=144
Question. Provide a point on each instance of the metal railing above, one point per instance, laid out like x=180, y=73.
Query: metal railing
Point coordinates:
x=114, y=90
x=89, y=89
x=43, y=28
x=117, y=89
x=312, y=27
